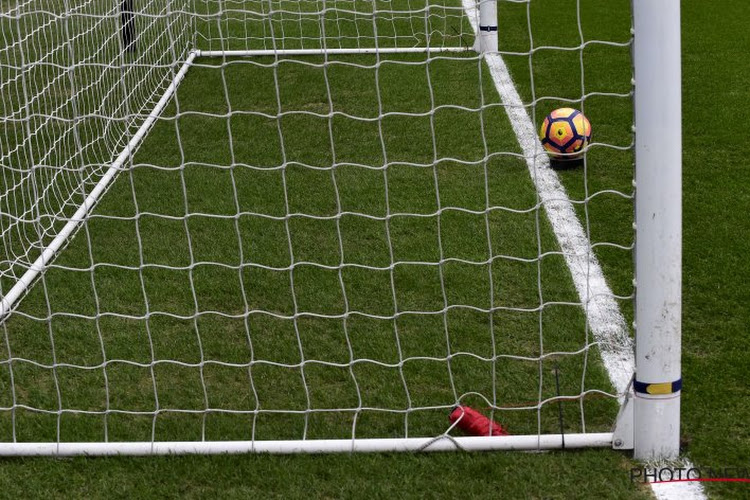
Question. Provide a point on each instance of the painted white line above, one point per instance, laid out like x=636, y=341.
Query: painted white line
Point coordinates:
x=679, y=491
x=602, y=311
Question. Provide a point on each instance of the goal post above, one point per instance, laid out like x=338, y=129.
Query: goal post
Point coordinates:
x=658, y=218
x=307, y=226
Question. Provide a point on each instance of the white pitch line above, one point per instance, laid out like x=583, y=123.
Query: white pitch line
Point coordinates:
x=602, y=311
x=679, y=490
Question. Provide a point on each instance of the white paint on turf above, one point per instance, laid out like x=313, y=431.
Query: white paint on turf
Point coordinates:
x=602, y=311
x=679, y=490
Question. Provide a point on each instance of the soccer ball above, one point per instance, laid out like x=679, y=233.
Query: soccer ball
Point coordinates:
x=564, y=133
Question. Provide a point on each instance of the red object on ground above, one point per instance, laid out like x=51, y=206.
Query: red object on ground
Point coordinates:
x=472, y=422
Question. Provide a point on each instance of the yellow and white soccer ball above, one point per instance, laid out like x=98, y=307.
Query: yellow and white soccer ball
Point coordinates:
x=565, y=133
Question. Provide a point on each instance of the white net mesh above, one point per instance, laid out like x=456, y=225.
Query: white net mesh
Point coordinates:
x=71, y=98
x=325, y=246
x=332, y=24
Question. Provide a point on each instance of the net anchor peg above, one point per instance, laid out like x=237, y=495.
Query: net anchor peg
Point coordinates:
x=623, y=432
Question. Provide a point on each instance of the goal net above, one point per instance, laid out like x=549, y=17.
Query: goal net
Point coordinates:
x=72, y=98
x=311, y=225
x=315, y=25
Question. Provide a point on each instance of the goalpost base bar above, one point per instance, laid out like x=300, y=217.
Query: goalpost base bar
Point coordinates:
x=442, y=443
x=17, y=291
x=333, y=52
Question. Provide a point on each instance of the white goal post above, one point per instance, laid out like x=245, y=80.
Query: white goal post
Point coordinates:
x=86, y=83
x=658, y=107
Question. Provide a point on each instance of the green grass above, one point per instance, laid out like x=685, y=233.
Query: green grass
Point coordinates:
x=715, y=404
x=235, y=248
x=512, y=475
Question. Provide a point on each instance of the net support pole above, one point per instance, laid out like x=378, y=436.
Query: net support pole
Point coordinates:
x=658, y=217
x=127, y=25
x=487, y=34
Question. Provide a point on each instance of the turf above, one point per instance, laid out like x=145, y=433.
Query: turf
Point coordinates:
x=227, y=190
x=715, y=404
